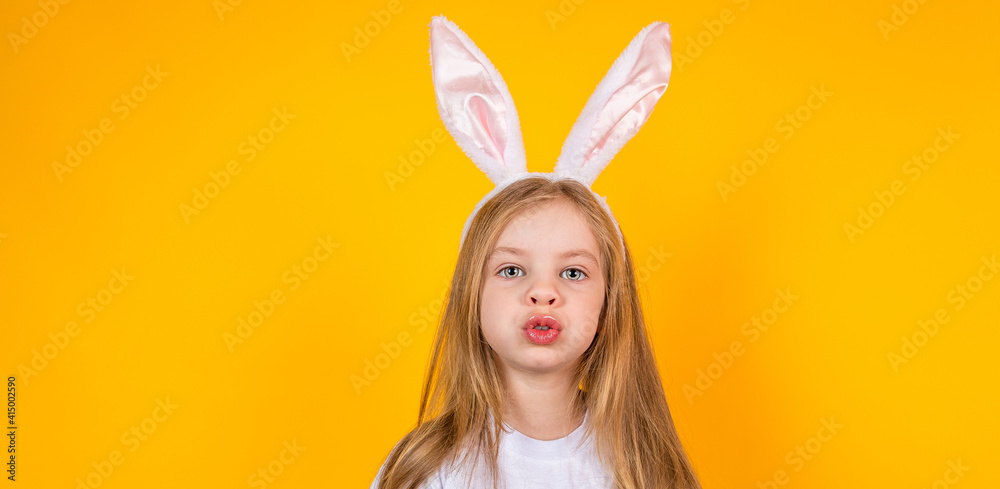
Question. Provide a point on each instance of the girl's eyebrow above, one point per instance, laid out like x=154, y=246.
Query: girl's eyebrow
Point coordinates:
x=501, y=250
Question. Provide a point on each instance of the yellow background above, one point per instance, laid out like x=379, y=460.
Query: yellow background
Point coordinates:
x=163, y=336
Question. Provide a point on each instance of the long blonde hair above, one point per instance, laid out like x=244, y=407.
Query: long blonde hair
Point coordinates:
x=462, y=402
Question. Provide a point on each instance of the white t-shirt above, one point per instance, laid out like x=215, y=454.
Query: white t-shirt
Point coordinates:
x=568, y=462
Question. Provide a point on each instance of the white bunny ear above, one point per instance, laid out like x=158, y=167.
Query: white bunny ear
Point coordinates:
x=475, y=104
x=620, y=105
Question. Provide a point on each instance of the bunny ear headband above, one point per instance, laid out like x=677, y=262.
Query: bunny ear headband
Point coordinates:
x=478, y=111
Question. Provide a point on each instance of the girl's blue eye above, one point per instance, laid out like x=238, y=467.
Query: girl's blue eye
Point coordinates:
x=574, y=274
x=507, y=269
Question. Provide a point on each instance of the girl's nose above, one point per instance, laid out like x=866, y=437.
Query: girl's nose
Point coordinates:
x=543, y=293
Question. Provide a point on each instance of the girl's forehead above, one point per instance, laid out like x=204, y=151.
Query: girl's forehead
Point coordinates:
x=548, y=213
x=576, y=254
x=552, y=229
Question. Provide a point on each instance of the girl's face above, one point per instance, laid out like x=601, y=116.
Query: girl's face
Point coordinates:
x=546, y=264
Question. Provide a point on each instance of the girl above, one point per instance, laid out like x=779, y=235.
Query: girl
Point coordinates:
x=542, y=374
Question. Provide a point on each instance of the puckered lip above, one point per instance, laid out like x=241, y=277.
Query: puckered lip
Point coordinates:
x=542, y=320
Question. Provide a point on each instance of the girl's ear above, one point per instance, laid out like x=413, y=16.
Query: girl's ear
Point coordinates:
x=620, y=105
x=474, y=103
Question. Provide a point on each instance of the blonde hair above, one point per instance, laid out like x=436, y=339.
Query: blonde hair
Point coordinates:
x=462, y=402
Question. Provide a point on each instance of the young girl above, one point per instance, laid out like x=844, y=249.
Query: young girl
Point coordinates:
x=542, y=373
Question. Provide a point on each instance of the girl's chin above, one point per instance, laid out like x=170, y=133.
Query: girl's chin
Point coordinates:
x=543, y=363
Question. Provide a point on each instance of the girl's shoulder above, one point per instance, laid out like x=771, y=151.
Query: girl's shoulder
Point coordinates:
x=435, y=481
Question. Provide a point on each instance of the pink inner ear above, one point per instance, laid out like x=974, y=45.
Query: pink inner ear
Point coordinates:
x=630, y=106
x=489, y=127
x=471, y=99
